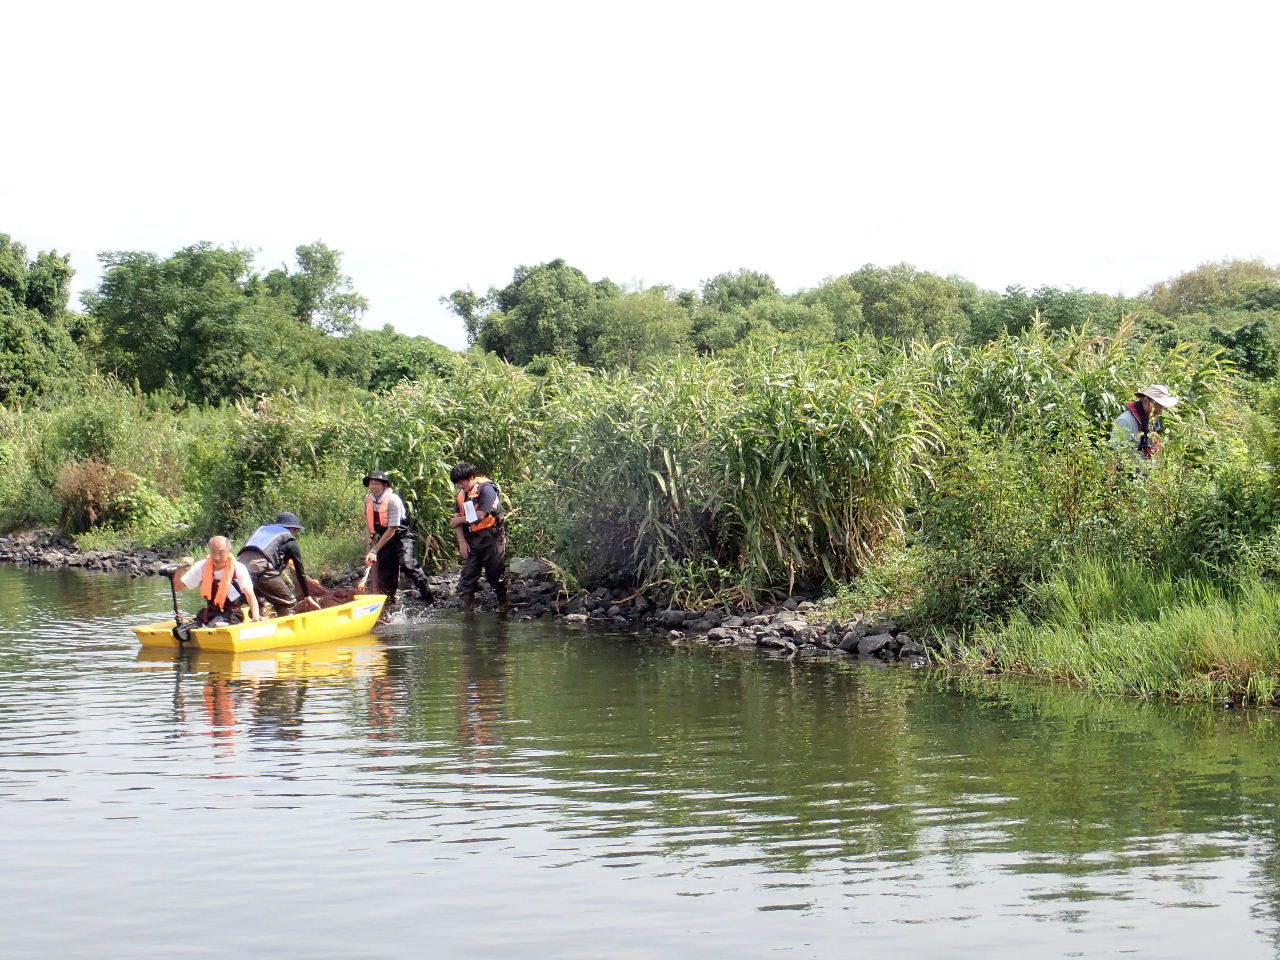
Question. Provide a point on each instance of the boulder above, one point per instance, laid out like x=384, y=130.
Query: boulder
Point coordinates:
x=792, y=626
x=699, y=626
x=910, y=647
x=575, y=618
x=777, y=643
x=871, y=645
x=675, y=635
x=672, y=618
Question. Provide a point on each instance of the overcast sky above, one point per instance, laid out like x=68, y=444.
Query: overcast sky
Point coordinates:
x=1099, y=145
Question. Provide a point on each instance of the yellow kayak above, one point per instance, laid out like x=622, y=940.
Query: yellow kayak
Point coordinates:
x=342, y=622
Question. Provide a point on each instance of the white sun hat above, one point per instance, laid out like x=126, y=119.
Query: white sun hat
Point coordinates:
x=1160, y=394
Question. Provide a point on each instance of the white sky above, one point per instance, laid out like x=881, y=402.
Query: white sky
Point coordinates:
x=1101, y=145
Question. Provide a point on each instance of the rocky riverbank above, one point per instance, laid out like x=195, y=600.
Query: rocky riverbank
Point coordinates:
x=796, y=628
x=54, y=550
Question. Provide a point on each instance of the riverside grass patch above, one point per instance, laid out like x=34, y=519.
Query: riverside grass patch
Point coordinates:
x=1125, y=630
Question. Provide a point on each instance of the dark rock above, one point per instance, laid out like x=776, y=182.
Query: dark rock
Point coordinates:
x=869, y=646
x=910, y=648
x=777, y=643
x=672, y=618
x=849, y=641
x=717, y=633
x=885, y=626
x=791, y=603
x=615, y=611
x=732, y=622
x=699, y=626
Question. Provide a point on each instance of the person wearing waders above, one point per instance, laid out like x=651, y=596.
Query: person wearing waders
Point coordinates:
x=482, y=535
x=267, y=553
x=391, y=541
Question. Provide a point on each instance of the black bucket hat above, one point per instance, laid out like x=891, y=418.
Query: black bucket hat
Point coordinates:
x=291, y=521
x=378, y=475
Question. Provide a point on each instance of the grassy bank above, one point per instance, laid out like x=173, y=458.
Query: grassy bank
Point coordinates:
x=1128, y=630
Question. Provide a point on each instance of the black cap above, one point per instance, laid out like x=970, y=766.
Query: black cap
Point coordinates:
x=291, y=521
x=377, y=475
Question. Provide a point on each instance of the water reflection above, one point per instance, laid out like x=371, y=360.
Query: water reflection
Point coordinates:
x=481, y=691
x=780, y=807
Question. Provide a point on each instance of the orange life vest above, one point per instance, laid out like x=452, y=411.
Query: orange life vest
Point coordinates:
x=486, y=522
x=378, y=511
x=219, y=597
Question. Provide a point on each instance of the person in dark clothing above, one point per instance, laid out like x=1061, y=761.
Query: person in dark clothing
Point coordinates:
x=392, y=545
x=479, y=519
x=267, y=554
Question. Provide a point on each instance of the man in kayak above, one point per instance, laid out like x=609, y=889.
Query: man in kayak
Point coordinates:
x=267, y=553
x=479, y=520
x=391, y=540
x=223, y=583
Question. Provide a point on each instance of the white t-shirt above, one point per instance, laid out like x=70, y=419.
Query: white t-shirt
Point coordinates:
x=240, y=578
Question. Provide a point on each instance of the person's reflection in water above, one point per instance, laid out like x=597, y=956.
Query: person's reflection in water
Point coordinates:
x=482, y=690
x=387, y=700
x=277, y=708
x=184, y=663
x=382, y=706
x=220, y=707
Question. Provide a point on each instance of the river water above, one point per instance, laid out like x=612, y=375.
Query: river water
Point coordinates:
x=489, y=789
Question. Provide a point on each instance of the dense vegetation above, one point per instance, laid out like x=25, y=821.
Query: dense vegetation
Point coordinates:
x=903, y=440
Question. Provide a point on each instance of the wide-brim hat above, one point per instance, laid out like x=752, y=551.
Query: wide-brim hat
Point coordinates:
x=377, y=475
x=290, y=520
x=1159, y=394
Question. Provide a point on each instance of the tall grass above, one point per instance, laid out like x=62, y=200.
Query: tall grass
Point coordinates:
x=1128, y=630
x=733, y=477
